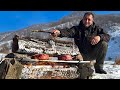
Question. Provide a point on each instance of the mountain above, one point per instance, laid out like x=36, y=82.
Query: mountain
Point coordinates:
x=73, y=18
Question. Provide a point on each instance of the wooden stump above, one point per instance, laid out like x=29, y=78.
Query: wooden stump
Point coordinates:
x=15, y=69
x=86, y=70
x=10, y=69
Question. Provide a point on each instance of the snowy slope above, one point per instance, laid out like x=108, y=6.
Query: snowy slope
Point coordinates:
x=114, y=44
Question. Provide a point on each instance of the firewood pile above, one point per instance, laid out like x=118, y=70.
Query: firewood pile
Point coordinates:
x=43, y=67
x=38, y=68
x=48, y=72
x=46, y=47
x=53, y=68
x=59, y=63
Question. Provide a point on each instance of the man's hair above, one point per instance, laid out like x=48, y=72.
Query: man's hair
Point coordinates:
x=88, y=13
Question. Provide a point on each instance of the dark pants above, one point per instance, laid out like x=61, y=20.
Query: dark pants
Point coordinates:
x=15, y=47
x=98, y=53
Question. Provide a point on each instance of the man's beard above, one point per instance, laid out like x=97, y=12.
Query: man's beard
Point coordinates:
x=86, y=26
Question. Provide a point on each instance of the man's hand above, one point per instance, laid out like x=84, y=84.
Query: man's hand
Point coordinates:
x=95, y=40
x=55, y=33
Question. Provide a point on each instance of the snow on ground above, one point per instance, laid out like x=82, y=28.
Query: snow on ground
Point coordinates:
x=113, y=71
x=2, y=55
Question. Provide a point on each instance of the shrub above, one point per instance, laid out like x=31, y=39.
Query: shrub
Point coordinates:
x=117, y=61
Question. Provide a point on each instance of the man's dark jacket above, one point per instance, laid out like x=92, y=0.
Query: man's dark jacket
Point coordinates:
x=82, y=35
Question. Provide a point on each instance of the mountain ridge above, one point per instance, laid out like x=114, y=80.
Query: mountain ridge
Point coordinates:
x=105, y=21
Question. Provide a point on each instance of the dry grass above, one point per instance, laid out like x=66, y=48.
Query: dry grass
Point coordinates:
x=117, y=61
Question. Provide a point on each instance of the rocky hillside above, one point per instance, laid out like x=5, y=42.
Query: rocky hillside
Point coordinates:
x=105, y=21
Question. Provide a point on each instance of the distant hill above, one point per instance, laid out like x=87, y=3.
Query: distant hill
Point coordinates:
x=105, y=21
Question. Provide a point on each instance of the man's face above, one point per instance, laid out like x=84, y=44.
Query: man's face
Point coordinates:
x=88, y=20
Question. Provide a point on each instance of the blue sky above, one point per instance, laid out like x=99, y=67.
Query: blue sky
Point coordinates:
x=15, y=20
